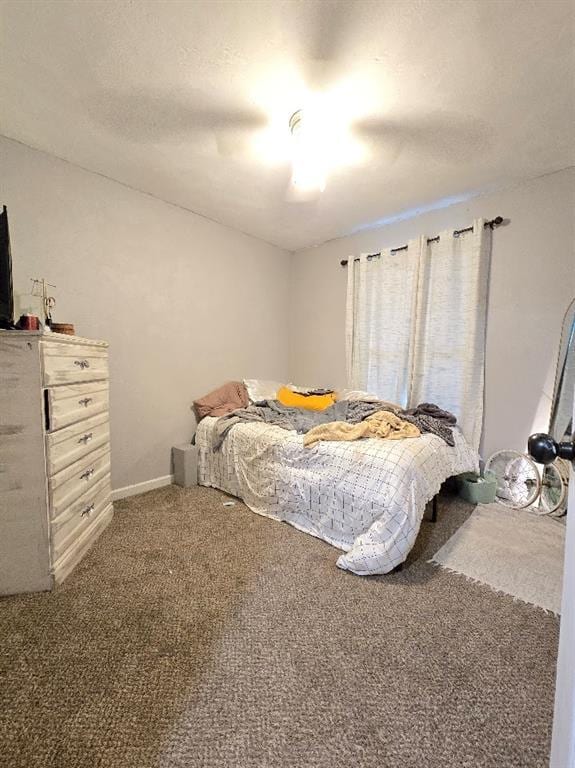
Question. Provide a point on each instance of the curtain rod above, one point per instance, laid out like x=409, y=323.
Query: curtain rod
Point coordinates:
x=456, y=232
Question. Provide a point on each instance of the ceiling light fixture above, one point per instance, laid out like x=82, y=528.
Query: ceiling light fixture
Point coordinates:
x=309, y=162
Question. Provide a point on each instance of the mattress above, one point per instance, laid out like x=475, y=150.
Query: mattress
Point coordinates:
x=365, y=497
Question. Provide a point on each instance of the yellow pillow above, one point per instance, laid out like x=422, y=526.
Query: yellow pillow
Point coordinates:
x=287, y=396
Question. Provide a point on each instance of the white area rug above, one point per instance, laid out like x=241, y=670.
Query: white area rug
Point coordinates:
x=511, y=551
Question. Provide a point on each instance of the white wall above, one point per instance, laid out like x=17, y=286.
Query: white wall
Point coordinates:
x=185, y=303
x=532, y=282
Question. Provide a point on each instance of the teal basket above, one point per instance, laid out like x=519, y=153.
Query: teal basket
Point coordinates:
x=477, y=489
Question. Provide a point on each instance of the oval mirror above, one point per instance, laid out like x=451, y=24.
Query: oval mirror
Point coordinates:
x=561, y=421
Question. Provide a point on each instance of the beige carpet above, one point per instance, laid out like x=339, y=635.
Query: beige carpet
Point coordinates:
x=511, y=550
x=200, y=635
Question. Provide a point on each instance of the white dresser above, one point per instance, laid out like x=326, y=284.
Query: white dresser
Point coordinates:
x=55, y=493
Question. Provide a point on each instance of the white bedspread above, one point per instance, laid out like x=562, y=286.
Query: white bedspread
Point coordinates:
x=365, y=497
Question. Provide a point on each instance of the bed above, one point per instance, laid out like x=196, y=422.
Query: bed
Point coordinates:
x=365, y=497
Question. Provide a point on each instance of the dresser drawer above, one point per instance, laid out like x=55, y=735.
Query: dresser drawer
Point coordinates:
x=70, y=363
x=65, y=529
x=72, y=443
x=76, y=480
x=74, y=402
x=72, y=556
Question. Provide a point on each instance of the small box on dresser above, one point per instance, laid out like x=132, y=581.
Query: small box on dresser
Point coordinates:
x=55, y=491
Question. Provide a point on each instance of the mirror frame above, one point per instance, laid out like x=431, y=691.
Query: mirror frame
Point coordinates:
x=566, y=343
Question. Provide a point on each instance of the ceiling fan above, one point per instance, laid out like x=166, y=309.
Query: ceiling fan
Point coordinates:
x=317, y=134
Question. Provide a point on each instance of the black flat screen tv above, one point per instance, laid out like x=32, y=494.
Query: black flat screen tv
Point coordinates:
x=6, y=292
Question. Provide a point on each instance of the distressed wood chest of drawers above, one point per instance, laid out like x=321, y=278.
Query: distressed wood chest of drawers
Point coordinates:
x=55, y=493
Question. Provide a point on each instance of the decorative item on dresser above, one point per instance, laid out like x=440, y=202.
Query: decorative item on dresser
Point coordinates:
x=55, y=493
x=66, y=328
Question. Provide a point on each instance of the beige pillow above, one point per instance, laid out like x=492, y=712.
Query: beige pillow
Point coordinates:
x=262, y=389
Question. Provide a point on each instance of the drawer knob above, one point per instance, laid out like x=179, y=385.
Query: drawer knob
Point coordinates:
x=87, y=474
x=82, y=363
x=87, y=510
x=86, y=438
x=85, y=401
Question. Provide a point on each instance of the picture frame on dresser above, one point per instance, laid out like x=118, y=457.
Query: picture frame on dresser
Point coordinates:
x=55, y=484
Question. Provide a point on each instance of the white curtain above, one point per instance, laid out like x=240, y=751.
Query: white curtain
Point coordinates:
x=381, y=298
x=416, y=324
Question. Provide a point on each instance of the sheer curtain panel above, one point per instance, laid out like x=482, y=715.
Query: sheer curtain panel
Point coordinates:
x=451, y=317
x=381, y=301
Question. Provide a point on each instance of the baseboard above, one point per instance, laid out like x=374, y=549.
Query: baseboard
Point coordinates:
x=147, y=485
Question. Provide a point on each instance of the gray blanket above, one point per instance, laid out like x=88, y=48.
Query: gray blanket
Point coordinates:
x=298, y=419
x=428, y=417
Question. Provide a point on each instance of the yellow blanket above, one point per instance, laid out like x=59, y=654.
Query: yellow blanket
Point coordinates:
x=381, y=424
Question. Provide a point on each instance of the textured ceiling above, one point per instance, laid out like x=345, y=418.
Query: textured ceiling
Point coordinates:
x=176, y=99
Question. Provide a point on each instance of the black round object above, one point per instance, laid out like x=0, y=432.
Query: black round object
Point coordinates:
x=542, y=448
